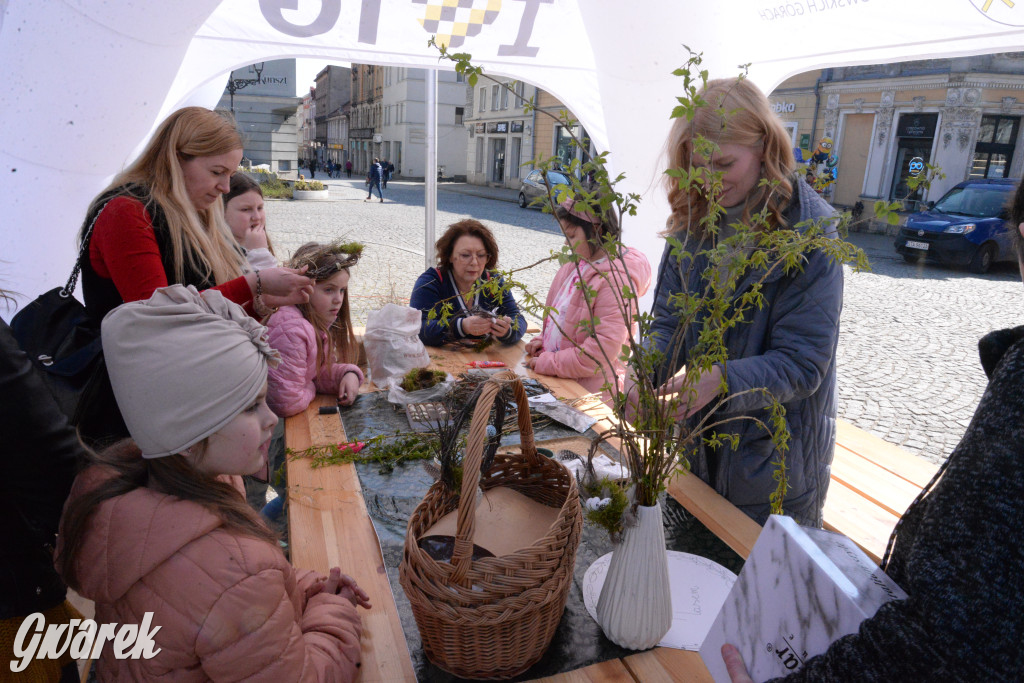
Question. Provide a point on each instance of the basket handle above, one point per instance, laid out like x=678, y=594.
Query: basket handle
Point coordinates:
x=462, y=554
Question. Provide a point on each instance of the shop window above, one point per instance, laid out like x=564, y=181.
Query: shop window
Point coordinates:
x=479, y=155
x=513, y=157
x=997, y=138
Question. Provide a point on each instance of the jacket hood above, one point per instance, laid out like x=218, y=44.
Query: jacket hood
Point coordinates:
x=130, y=535
x=994, y=345
x=633, y=263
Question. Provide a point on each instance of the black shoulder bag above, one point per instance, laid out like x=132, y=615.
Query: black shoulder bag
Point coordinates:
x=63, y=343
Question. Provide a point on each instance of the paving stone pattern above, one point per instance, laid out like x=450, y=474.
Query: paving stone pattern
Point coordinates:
x=908, y=362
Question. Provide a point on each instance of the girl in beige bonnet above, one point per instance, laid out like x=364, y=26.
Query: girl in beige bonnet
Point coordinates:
x=156, y=525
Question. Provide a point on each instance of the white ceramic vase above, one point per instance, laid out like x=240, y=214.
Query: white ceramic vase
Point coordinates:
x=635, y=607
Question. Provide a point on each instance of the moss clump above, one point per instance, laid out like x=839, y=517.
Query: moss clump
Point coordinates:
x=610, y=517
x=421, y=378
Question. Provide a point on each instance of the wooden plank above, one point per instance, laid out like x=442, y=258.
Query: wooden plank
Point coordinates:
x=612, y=671
x=724, y=519
x=887, y=456
x=876, y=485
x=667, y=665
x=850, y=514
x=329, y=526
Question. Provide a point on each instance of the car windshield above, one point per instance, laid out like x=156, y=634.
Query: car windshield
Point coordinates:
x=974, y=201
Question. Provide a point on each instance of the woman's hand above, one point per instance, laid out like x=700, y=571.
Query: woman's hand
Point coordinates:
x=345, y=586
x=282, y=286
x=709, y=386
x=500, y=326
x=348, y=389
x=476, y=325
x=734, y=664
x=534, y=347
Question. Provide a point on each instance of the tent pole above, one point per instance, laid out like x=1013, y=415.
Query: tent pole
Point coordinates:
x=430, y=170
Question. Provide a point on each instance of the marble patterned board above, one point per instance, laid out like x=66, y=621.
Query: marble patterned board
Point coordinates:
x=800, y=590
x=699, y=587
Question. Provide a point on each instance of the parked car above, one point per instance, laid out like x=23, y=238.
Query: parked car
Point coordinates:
x=967, y=227
x=533, y=186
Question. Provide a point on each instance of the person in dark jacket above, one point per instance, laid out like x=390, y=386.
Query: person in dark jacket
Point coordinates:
x=957, y=551
x=788, y=345
x=39, y=452
x=480, y=307
x=373, y=179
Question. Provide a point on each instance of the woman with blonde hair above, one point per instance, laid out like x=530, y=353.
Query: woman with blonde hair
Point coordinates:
x=788, y=345
x=161, y=222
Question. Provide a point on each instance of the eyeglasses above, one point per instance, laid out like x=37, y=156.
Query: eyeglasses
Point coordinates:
x=469, y=258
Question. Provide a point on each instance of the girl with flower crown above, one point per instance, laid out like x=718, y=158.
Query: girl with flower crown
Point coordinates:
x=317, y=344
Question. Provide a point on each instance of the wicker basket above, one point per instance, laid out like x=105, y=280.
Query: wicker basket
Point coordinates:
x=493, y=617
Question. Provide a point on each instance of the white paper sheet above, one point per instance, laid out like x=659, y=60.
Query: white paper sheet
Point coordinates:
x=699, y=588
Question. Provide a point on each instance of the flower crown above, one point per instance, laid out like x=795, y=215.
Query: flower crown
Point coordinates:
x=331, y=258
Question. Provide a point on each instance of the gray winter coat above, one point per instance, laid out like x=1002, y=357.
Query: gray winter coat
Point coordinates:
x=788, y=347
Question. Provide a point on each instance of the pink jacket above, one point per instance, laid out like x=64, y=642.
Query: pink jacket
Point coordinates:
x=611, y=331
x=229, y=607
x=294, y=383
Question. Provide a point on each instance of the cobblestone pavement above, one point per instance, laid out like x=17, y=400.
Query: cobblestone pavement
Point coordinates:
x=908, y=362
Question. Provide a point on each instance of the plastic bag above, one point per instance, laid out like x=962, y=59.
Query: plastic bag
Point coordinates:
x=396, y=394
x=392, y=342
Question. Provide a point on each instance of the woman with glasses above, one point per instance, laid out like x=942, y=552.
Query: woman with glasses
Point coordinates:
x=461, y=299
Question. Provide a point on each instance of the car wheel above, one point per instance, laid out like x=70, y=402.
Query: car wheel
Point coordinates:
x=522, y=200
x=983, y=259
x=913, y=259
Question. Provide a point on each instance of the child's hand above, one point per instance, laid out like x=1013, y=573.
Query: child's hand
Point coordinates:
x=255, y=237
x=534, y=347
x=348, y=389
x=345, y=586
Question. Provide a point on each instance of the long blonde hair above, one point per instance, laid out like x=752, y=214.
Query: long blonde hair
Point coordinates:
x=734, y=111
x=324, y=261
x=200, y=238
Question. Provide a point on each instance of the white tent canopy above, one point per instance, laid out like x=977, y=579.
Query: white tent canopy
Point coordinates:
x=88, y=81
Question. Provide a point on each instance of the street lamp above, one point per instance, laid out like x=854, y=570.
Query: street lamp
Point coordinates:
x=235, y=84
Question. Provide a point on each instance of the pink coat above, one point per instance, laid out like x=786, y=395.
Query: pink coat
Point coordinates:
x=294, y=383
x=611, y=330
x=229, y=607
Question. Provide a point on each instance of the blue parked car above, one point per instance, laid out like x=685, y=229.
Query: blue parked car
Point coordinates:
x=967, y=227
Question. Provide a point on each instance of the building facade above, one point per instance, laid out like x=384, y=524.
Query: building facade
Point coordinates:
x=333, y=93
x=307, y=126
x=501, y=134
x=962, y=115
x=260, y=97
x=364, y=115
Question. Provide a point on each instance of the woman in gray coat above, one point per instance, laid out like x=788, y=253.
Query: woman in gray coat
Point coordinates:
x=788, y=345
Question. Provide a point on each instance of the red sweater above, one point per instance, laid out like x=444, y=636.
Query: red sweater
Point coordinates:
x=123, y=248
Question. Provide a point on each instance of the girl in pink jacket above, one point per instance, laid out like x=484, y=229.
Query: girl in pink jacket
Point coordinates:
x=317, y=344
x=571, y=344
x=154, y=536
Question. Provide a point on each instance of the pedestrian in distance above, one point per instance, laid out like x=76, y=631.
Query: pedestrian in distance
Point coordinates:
x=788, y=345
x=348, y=168
x=373, y=179
x=385, y=176
x=156, y=525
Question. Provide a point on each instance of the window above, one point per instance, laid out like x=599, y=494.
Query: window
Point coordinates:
x=483, y=99
x=504, y=97
x=997, y=138
x=397, y=161
x=495, y=94
x=518, y=102
x=460, y=114
x=387, y=150
x=479, y=155
x=460, y=77
x=387, y=75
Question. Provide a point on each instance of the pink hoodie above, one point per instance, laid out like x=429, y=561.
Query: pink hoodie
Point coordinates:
x=229, y=607
x=605, y=278
x=294, y=383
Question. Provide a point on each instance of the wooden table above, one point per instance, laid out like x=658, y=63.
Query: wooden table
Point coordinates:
x=329, y=526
